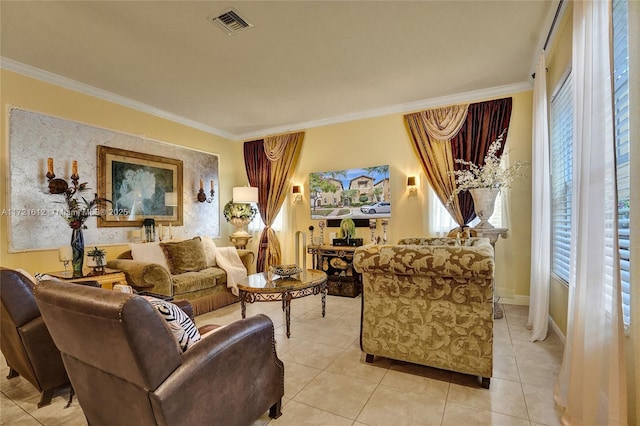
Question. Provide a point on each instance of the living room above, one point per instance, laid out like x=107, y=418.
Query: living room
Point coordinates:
x=361, y=142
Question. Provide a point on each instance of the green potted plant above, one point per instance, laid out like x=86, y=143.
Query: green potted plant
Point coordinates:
x=347, y=229
x=95, y=258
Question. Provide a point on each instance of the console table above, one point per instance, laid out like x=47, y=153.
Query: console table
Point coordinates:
x=337, y=263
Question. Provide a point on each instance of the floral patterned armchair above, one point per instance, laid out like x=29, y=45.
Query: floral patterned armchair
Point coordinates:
x=430, y=302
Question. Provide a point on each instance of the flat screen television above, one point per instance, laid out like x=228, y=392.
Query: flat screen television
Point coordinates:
x=362, y=193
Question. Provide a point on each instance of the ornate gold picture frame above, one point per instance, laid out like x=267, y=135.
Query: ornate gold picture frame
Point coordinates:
x=140, y=186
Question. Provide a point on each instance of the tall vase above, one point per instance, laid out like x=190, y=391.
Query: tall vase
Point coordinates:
x=77, y=245
x=484, y=200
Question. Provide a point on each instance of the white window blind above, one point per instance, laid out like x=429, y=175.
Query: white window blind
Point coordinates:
x=561, y=139
x=621, y=120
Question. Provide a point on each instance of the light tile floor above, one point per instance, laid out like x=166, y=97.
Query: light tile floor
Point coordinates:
x=327, y=381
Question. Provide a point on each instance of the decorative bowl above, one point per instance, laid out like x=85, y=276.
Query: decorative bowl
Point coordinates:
x=286, y=270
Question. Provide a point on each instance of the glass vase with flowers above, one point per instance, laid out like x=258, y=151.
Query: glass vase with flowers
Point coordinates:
x=77, y=209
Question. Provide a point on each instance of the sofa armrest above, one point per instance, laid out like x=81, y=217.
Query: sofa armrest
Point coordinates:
x=238, y=362
x=247, y=257
x=144, y=275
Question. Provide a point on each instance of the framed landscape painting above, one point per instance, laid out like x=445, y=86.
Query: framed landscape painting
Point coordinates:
x=140, y=186
x=358, y=193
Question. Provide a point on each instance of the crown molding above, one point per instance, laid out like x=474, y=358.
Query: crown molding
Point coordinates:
x=465, y=97
x=48, y=77
x=86, y=89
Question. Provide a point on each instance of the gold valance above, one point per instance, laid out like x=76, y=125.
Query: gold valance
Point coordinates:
x=444, y=123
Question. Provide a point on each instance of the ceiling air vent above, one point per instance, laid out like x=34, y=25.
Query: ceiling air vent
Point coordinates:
x=230, y=21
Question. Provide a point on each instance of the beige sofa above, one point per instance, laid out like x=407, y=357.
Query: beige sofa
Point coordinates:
x=430, y=302
x=187, y=277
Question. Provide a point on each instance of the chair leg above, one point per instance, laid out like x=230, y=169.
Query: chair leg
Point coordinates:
x=71, y=393
x=485, y=382
x=369, y=358
x=276, y=409
x=12, y=373
x=45, y=398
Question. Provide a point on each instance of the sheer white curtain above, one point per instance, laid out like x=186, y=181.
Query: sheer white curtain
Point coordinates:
x=592, y=382
x=541, y=210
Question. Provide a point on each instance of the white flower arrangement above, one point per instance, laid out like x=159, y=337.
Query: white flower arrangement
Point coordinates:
x=490, y=175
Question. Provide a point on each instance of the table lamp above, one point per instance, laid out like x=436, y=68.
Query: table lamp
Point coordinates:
x=65, y=255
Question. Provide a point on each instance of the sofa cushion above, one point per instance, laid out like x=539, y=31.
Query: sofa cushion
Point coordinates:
x=149, y=252
x=210, y=251
x=185, y=256
x=201, y=280
x=182, y=327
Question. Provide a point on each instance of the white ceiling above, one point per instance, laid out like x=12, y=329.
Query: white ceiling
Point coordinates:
x=304, y=63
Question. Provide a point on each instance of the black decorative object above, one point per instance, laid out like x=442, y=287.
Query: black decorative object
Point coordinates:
x=347, y=242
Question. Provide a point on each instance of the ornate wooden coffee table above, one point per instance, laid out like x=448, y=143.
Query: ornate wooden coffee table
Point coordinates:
x=268, y=287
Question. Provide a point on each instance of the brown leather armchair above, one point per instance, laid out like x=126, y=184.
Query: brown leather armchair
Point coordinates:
x=127, y=368
x=25, y=341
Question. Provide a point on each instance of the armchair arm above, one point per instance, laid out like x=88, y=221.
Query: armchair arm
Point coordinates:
x=44, y=356
x=144, y=275
x=232, y=375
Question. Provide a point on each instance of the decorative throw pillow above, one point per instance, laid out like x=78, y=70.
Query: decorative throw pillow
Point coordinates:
x=182, y=327
x=185, y=256
x=210, y=251
x=149, y=252
x=39, y=277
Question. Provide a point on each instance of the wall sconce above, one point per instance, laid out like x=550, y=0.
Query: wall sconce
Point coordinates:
x=411, y=185
x=60, y=186
x=202, y=197
x=297, y=194
x=245, y=194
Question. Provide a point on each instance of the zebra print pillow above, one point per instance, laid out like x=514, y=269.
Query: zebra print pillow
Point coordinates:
x=182, y=327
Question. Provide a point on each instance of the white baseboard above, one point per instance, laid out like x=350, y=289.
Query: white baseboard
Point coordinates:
x=554, y=327
x=515, y=300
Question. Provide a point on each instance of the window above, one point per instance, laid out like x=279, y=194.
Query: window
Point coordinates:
x=256, y=225
x=561, y=139
x=441, y=222
x=621, y=123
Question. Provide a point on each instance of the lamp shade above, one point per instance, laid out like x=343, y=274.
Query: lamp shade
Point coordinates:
x=170, y=198
x=245, y=194
x=296, y=189
x=411, y=181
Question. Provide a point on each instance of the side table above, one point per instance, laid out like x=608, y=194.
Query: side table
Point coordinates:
x=493, y=234
x=107, y=278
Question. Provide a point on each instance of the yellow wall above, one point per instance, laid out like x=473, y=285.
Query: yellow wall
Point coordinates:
x=558, y=62
x=24, y=92
x=633, y=343
x=384, y=140
x=369, y=142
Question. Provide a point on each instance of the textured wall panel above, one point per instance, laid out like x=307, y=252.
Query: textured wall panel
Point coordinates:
x=34, y=137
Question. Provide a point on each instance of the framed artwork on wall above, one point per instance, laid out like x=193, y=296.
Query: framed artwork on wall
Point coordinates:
x=140, y=186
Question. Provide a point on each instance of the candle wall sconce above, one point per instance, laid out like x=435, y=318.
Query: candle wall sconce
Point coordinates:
x=297, y=194
x=202, y=196
x=411, y=185
x=60, y=186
